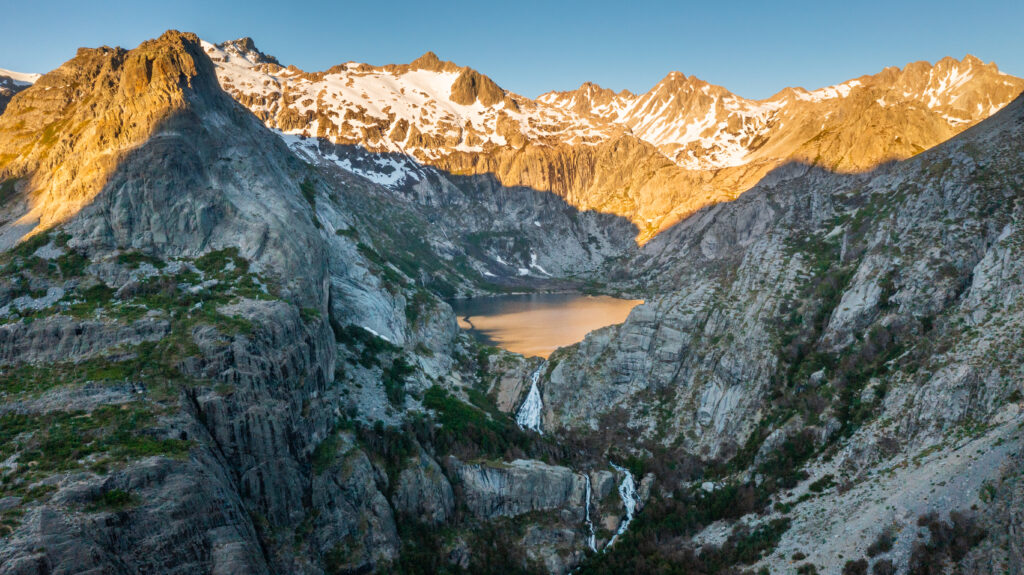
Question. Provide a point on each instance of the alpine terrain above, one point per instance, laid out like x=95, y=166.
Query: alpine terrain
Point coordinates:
x=226, y=344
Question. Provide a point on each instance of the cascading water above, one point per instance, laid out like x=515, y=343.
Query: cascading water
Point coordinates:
x=530, y=412
x=627, y=491
x=591, y=539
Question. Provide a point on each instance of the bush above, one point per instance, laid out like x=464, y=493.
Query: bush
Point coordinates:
x=883, y=543
x=884, y=567
x=822, y=484
x=858, y=567
x=394, y=381
x=948, y=541
x=115, y=500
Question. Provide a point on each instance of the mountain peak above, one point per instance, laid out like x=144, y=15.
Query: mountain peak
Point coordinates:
x=20, y=78
x=428, y=61
x=245, y=48
x=131, y=95
x=473, y=86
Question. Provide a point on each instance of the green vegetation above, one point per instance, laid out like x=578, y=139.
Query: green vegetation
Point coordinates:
x=133, y=259
x=368, y=345
x=114, y=500
x=394, y=380
x=883, y=543
x=420, y=302
x=858, y=567
x=482, y=431
x=948, y=542
x=60, y=441
x=309, y=192
x=826, y=482
x=424, y=551
x=144, y=362
x=325, y=453
x=646, y=549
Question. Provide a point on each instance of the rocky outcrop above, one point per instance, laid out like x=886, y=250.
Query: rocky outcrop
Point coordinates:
x=518, y=487
x=62, y=338
x=119, y=166
x=190, y=520
x=423, y=492
x=472, y=86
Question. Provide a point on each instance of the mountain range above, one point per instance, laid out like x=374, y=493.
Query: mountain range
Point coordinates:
x=226, y=344
x=653, y=158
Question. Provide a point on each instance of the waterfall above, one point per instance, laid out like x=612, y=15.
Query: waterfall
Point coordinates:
x=591, y=539
x=627, y=491
x=530, y=412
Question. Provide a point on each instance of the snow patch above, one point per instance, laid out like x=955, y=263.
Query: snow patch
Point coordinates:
x=20, y=78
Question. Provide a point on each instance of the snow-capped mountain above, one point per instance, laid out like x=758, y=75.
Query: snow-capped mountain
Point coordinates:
x=13, y=82
x=428, y=108
x=654, y=158
x=702, y=126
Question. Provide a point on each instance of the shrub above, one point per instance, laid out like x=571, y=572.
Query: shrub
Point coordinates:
x=394, y=380
x=114, y=500
x=858, y=567
x=883, y=543
x=948, y=541
x=884, y=567
x=822, y=484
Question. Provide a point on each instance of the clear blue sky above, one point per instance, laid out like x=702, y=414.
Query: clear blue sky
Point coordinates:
x=752, y=48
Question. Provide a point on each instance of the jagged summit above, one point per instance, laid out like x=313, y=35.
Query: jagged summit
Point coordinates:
x=720, y=144
x=430, y=61
x=246, y=48
x=113, y=130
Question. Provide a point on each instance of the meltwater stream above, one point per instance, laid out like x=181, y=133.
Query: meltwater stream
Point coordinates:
x=530, y=412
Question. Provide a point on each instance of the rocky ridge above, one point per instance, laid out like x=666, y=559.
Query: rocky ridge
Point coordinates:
x=653, y=158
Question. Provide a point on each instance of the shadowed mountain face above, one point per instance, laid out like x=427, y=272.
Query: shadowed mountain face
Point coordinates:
x=143, y=150
x=653, y=158
x=223, y=348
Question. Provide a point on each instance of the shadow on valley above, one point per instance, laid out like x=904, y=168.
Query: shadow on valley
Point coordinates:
x=461, y=234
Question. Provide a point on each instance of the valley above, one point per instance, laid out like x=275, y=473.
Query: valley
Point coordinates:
x=775, y=336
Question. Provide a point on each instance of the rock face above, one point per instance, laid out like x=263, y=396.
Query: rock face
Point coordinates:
x=520, y=487
x=871, y=313
x=424, y=492
x=155, y=119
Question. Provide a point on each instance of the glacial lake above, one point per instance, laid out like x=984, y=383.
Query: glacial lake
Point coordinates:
x=538, y=324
